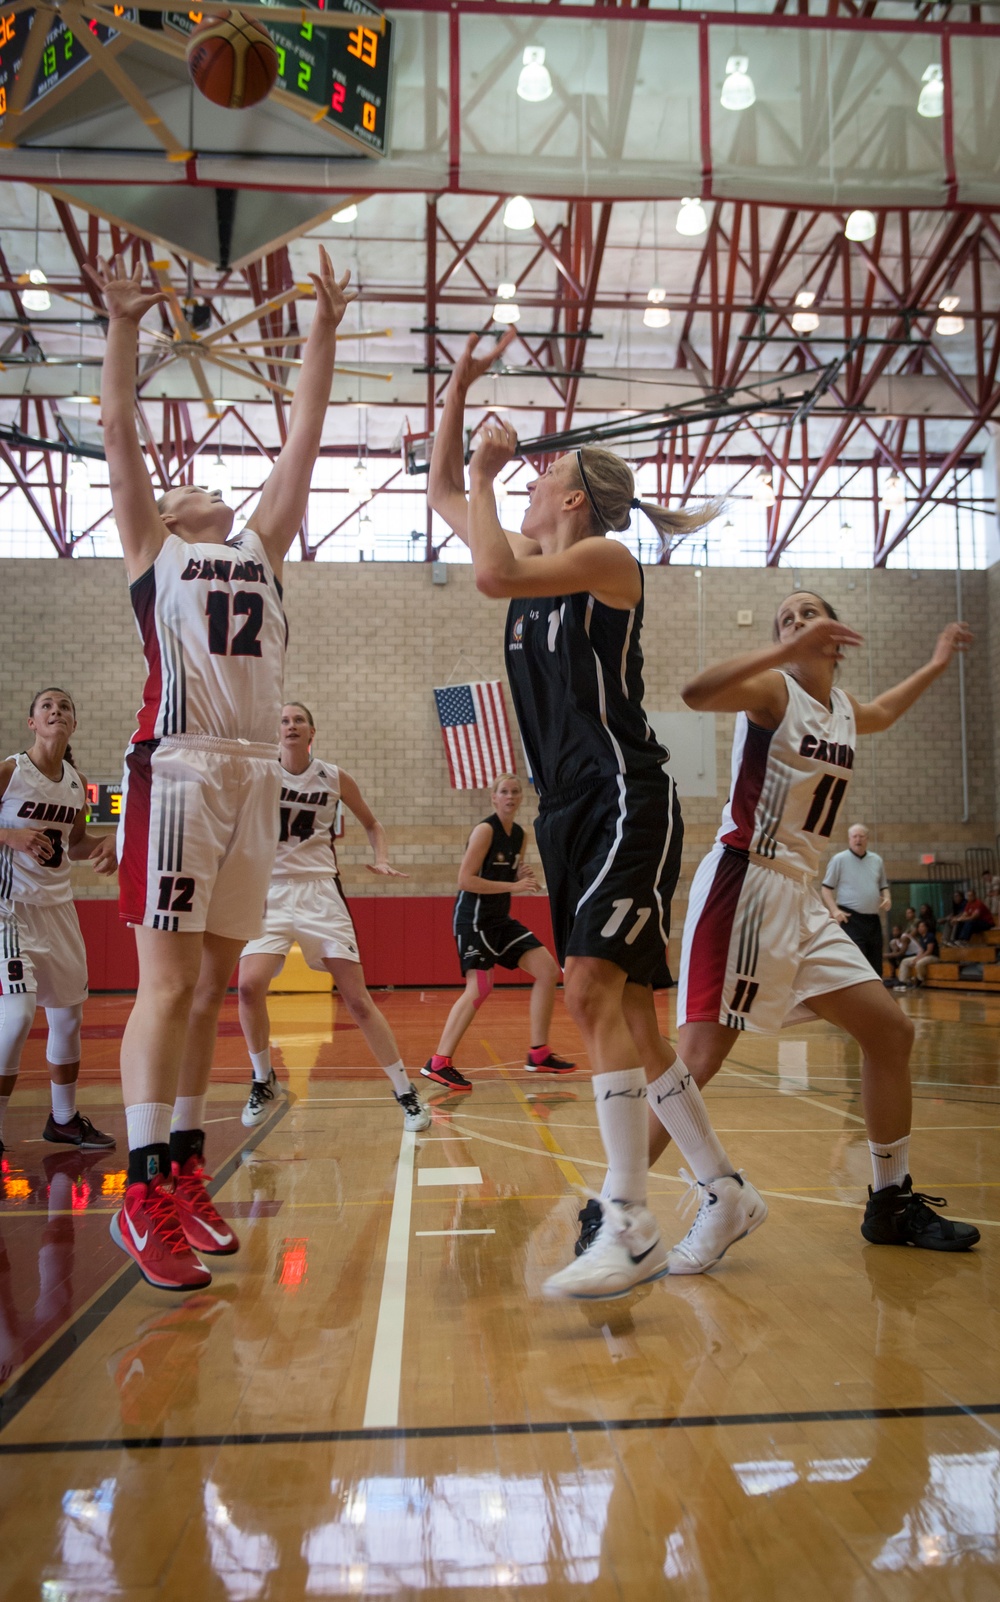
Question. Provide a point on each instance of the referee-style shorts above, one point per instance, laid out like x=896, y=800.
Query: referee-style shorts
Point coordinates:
x=493, y=945
x=611, y=851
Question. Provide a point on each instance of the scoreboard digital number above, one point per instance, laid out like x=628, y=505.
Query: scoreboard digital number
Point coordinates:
x=344, y=73
x=62, y=55
x=104, y=803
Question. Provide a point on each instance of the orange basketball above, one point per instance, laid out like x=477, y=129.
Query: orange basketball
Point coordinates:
x=232, y=60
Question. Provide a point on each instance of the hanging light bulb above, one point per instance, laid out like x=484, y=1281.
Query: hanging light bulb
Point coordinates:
x=506, y=311
x=346, y=214
x=36, y=300
x=805, y=321
x=360, y=482
x=860, y=225
x=77, y=477
x=656, y=314
x=534, y=82
x=692, y=218
x=762, y=491
x=738, y=92
x=949, y=324
x=218, y=478
x=893, y=495
x=931, y=101
x=518, y=214
x=846, y=526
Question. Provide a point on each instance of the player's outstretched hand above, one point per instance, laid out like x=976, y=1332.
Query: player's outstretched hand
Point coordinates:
x=386, y=870
x=469, y=366
x=332, y=294
x=124, y=293
x=103, y=858
x=956, y=637
x=527, y=882
x=496, y=445
x=824, y=636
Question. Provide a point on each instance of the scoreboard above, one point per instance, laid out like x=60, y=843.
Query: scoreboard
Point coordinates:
x=62, y=55
x=343, y=73
x=104, y=803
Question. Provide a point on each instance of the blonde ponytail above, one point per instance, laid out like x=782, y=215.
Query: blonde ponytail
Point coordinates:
x=609, y=485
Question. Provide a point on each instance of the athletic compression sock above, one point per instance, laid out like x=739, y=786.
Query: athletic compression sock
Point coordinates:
x=188, y=1113
x=890, y=1161
x=621, y=1117
x=397, y=1077
x=441, y=1062
x=538, y=1054
x=677, y=1103
x=63, y=1102
x=261, y=1063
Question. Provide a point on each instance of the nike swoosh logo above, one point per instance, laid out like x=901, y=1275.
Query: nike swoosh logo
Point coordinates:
x=140, y=1240
x=643, y=1255
x=222, y=1240
x=135, y=1367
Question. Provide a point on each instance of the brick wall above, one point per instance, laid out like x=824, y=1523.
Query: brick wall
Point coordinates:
x=369, y=641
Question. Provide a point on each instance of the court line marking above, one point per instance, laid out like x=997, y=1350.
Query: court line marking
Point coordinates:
x=448, y=1432
x=735, y=1129
x=386, y=1372
x=809, y=1101
x=425, y=1234
x=449, y=1176
x=565, y=1164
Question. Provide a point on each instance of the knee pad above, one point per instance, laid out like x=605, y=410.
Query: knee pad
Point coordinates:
x=484, y=984
x=64, y=1035
x=16, y=1016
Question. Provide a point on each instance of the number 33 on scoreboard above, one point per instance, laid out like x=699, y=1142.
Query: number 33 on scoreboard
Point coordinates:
x=363, y=43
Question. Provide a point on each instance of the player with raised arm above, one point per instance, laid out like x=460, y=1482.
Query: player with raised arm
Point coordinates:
x=760, y=949
x=200, y=805
x=609, y=827
x=306, y=903
x=43, y=828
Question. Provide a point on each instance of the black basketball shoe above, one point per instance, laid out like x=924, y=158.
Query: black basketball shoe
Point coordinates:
x=902, y=1216
x=590, y=1218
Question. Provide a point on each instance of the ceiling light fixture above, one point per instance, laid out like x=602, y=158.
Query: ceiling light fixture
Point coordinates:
x=360, y=482
x=860, y=225
x=931, y=101
x=506, y=311
x=218, y=477
x=805, y=321
x=692, y=218
x=36, y=300
x=518, y=214
x=894, y=494
x=77, y=477
x=347, y=214
x=738, y=92
x=762, y=490
x=949, y=324
x=656, y=314
x=535, y=81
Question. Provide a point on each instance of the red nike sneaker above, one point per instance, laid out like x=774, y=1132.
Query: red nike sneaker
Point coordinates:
x=149, y=1229
x=206, y=1231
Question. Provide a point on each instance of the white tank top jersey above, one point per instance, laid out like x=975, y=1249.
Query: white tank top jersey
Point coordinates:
x=309, y=809
x=214, y=635
x=788, y=783
x=31, y=801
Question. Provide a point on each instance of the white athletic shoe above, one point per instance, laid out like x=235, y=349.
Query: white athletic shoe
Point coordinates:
x=728, y=1209
x=415, y=1115
x=263, y=1092
x=626, y=1251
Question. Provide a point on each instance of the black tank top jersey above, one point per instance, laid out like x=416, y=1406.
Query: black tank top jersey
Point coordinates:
x=575, y=671
x=500, y=862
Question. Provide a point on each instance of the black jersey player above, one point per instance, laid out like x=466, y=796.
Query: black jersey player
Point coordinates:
x=609, y=828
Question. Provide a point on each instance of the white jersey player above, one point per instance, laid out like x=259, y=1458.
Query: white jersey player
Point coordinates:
x=42, y=829
x=760, y=949
x=305, y=903
x=199, y=812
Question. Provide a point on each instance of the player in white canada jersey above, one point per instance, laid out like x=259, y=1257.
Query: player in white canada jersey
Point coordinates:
x=305, y=903
x=760, y=949
x=43, y=827
x=198, y=833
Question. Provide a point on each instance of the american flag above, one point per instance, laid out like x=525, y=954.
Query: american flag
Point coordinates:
x=476, y=734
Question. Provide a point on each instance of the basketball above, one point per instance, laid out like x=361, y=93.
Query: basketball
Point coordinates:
x=232, y=61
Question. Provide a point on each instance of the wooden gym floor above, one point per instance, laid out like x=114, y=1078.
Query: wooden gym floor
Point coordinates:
x=371, y=1400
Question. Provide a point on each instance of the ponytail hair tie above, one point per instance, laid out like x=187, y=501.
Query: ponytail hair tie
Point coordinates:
x=635, y=505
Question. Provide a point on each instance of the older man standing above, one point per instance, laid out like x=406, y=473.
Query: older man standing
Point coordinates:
x=856, y=891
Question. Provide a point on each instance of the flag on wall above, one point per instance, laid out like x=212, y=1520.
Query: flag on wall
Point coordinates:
x=476, y=733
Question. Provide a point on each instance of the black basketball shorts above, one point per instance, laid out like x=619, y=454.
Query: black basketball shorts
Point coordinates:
x=493, y=945
x=612, y=853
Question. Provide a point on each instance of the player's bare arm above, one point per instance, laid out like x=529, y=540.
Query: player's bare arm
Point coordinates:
x=753, y=684
x=446, y=481
x=471, y=865
x=140, y=527
x=356, y=804
x=97, y=849
x=595, y=565
x=35, y=842
x=278, y=514
x=873, y=716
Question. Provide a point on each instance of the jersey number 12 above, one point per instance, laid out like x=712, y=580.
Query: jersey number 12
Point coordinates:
x=246, y=603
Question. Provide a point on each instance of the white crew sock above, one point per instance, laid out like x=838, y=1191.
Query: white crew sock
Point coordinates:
x=189, y=1112
x=677, y=1103
x=148, y=1124
x=890, y=1161
x=63, y=1102
x=4, y=1104
x=261, y=1062
x=621, y=1118
x=397, y=1077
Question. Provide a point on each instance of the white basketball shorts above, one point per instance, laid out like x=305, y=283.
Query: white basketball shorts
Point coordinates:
x=17, y=975
x=311, y=911
x=198, y=835
x=52, y=938
x=757, y=944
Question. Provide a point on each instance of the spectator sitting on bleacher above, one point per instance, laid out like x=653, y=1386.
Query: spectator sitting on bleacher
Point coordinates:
x=976, y=919
x=929, y=916
x=909, y=947
x=947, y=924
x=898, y=946
x=991, y=893
x=917, y=964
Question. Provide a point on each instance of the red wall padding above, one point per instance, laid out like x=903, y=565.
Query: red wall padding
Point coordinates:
x=404, y=940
